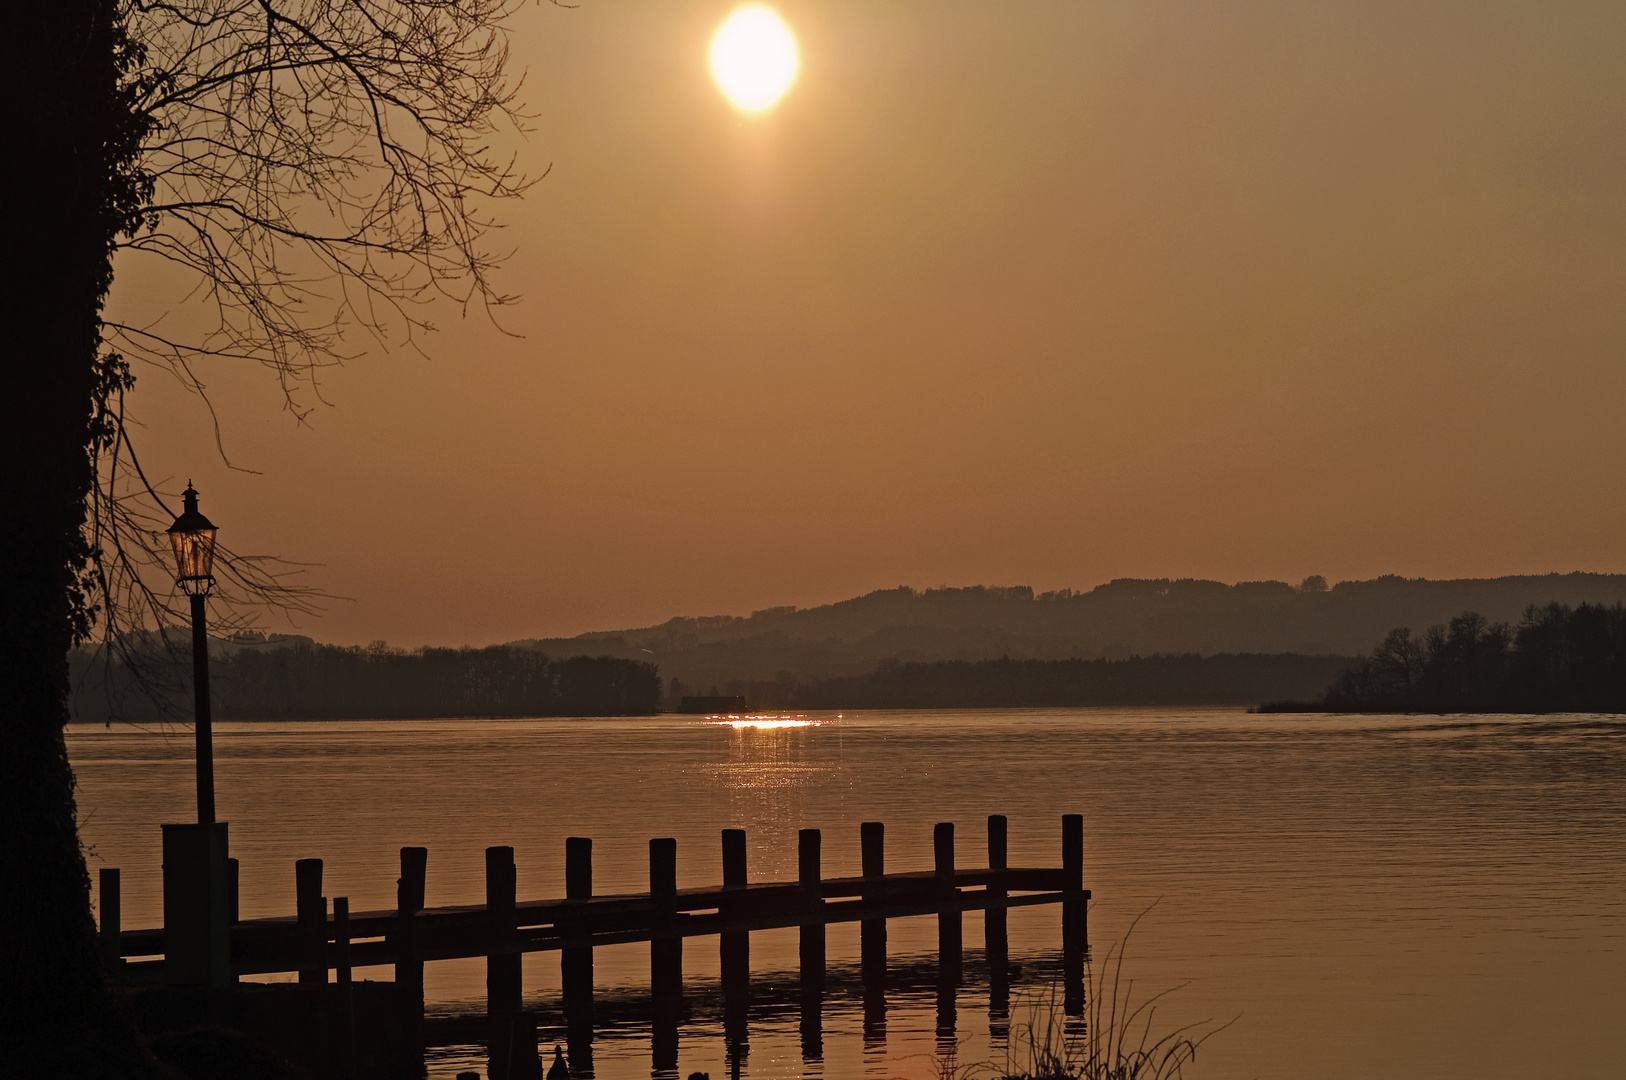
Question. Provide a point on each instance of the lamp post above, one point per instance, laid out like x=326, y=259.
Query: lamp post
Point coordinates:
x=197, y=869
x=193, y=538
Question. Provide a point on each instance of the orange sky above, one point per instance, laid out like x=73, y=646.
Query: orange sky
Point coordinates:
x=1009, y=293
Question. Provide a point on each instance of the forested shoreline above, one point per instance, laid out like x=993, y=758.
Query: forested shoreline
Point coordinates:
x=1557, y=659
x=1187, y=679
x=307, y=681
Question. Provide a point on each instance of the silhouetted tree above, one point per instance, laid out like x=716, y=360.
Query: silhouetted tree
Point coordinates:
x=1559, y=659
x=263, y=147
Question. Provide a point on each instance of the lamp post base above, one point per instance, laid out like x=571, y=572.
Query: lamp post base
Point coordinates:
x=197, y=906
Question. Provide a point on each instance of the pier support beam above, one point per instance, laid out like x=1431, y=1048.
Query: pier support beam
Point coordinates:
x=576, y=962
x=995, y=934
x=109, y=909
x=665, y=955
x=311, y=909
x=409, y=893
x=1074, y=913
x=949, y=937
x=734, y=948
x=808, y=874
x=872, y=932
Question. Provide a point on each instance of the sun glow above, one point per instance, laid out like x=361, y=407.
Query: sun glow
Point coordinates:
x=753, y=58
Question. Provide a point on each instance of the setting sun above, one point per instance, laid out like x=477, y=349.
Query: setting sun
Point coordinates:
x=753, y=58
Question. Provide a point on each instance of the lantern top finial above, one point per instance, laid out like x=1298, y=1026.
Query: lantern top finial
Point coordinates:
x=191, y=520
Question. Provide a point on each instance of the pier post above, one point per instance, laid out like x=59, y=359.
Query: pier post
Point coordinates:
x=996, y=941
x=1074, y=908
x=576, y=962
x=734, y=949
x=503, y=966
x=311, y=908
x=345, y=1035
x=949, y=923
x=872, y=932
x=409, y=899
x=808, y=875
x=234, y=909
x=110, y=911
x=949, y=936
x=665, y=954
x=505, y=1051
x=341, y=940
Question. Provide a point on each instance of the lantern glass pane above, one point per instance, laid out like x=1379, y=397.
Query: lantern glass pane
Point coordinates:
x=194, y=553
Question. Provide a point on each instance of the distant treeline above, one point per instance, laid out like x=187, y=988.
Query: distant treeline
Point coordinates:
x=307, y=681
x=1558, y=659
x=1114, y=621
x=1189, y=679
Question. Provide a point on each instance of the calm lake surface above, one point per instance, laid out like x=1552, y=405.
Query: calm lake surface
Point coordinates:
x=1364, y=897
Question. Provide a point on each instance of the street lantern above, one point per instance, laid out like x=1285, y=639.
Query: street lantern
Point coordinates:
x=193, y=538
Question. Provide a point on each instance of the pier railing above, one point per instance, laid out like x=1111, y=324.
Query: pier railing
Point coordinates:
x=321, y=937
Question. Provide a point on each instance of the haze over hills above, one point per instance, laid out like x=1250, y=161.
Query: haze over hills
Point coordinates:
x=1129, y=642
x=1122, y=618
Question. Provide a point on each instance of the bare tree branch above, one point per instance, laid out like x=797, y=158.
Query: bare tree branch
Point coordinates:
x=317, y=168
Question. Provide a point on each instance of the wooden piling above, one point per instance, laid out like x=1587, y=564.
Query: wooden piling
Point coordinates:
x=503, y=969
x=341, y=940
x=505, y=1054
x=576, y=962
x=808, y=874
x=234, y=898
x=110, y=910
x=734, y=949
x=872, y=932
x=949, y=925
x=1074, y=908
x=311, y=908
x=409, y=899
x=809, y=843
x=665, y=955
x=345, y=1029
x=996, y=942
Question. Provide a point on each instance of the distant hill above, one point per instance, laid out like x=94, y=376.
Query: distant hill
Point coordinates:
x=1123, y=618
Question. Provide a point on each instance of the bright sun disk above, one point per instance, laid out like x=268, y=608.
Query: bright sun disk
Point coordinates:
x=753, y=58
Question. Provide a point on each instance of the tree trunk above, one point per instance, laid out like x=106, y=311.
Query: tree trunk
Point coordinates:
x=63, y=132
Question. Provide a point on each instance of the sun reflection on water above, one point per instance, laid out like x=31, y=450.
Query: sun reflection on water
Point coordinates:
x=763, y=721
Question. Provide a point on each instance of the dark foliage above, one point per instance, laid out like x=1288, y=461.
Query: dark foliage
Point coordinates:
x=1227, y=679
x=1558, y=659
x=306, y=681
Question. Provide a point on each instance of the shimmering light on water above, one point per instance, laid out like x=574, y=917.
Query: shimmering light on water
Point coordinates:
x=765, y=721
x=1400, y=897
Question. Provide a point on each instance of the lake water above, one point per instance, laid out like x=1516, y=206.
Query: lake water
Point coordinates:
x=1364, y=897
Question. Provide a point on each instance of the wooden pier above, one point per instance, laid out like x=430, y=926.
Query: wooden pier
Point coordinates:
x=325, y=941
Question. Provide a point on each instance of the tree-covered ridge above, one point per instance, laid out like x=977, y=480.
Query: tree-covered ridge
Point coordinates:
x=309, y=681
x=1228, y=679
x=1123, y=618
x=1557, y=659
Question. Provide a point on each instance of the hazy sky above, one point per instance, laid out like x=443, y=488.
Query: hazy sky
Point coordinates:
x=1015, y=292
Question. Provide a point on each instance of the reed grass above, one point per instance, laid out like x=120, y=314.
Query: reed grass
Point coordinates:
x=1117, y=1038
